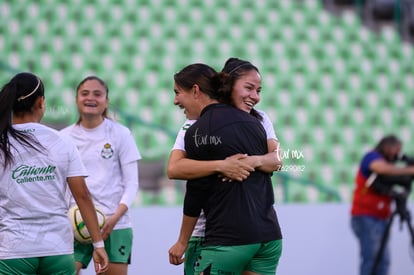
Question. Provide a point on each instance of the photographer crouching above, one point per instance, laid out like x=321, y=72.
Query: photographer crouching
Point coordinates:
x=377, y=183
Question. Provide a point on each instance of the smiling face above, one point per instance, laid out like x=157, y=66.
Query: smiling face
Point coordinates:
x=246, y=90
x=92, y=99
x=185, y=100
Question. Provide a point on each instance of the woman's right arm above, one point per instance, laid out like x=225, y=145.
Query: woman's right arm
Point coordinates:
x=84, y=201
x=181, y=167
x=176, y=251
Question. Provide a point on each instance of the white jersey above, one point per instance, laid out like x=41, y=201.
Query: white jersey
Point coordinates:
x=199, y=229
x=33, y=210
x=267, y=125
x=104, y=151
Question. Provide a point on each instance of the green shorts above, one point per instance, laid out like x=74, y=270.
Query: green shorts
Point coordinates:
x=118, y=246
x=260, y=258
x=48, y=265
x=192, y=253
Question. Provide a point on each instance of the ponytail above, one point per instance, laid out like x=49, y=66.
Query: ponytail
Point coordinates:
x=17, y=97
x=223, y=87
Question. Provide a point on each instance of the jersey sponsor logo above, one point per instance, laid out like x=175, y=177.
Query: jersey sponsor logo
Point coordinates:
x=205, y=139
x=25, y=173
x=107, y=152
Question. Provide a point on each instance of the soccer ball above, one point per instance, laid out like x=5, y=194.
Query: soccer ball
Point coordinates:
x=80, y=231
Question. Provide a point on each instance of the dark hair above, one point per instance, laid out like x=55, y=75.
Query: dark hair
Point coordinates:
x=18, y=97
x=389, y=140
x=93, y=77
x=235, y=68
x=202, y=75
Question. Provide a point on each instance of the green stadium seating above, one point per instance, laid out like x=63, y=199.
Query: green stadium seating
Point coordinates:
x=323, y=75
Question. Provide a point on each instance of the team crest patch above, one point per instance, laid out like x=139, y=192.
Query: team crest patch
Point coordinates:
x=107, y=151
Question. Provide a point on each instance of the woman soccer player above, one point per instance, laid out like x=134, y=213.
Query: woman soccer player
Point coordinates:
x=194, y=98
x=111, y=156
x=38, y=166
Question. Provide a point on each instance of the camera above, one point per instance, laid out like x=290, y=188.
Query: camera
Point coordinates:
x=395, y=186
x=398, y=187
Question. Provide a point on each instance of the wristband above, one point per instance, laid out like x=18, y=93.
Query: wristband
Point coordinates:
x=99, y=244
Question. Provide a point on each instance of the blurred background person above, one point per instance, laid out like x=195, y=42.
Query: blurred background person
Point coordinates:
x=371, y=209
